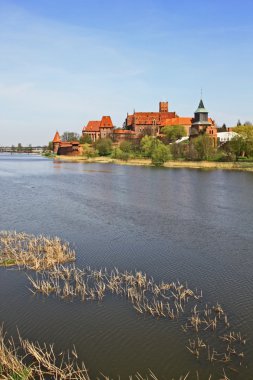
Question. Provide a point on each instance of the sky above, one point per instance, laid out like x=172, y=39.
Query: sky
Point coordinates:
x=63, y=63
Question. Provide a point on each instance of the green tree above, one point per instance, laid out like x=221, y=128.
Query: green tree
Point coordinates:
x=147, y=145
x=174, y=132
x=126, y=146
x=120, y=155
x=29, y=148
x=85, y=139
x=160, y=154
x=240, y=146
x=205, y=147
x=13, y=149
x=103, y=146
x=245, y=131
x=70, y=136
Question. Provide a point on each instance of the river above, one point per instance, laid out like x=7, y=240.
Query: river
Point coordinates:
x=195, y=226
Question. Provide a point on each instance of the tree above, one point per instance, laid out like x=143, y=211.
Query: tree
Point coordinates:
x=245, y=131
x=13, y=149
x=126, y=146
x=85, y=139
x=70, y=136
x=29, y=149
x=147, y=145
x=205, y=147
x=241, y=146
x=174, y=132
x=160, y=154
x=104, y=146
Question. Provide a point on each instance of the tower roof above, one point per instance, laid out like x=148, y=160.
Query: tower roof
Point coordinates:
x=201, y=108
x=57, y=138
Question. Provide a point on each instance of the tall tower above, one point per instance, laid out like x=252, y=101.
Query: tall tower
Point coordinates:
x=163, y=107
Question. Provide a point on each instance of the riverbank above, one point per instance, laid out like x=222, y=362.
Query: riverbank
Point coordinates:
x=245, y=166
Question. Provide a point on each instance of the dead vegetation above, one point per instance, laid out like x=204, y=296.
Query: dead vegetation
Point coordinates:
x=33, y=252
x=172, y=301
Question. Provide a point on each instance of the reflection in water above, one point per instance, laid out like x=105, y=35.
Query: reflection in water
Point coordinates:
x=190, y=225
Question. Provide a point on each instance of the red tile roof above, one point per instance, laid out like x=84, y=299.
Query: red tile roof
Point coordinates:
x=57, y=138
x=179, y=121
x=106, y=122
x=92, y=126
x=182, y=121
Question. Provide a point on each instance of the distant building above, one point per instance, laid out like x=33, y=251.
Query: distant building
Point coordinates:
x=224, y=137
x=99, y=129
x=141, y=122
x=68, y=148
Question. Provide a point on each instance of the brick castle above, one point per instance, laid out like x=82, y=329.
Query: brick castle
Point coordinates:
x=140, y=123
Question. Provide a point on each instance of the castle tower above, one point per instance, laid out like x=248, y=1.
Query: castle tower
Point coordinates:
x=56, y=142
x=200, y=120
x=163, y=107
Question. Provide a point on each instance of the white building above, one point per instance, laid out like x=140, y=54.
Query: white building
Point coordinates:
x=224, y=137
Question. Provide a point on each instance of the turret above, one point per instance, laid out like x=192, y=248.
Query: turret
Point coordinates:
x=56, y=142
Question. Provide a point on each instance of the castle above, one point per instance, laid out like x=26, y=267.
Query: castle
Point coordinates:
x=140, y=123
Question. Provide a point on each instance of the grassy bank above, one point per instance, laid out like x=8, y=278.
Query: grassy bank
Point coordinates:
x=245, y=166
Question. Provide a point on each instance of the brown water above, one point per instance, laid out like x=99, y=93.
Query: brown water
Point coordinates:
x=181, y=224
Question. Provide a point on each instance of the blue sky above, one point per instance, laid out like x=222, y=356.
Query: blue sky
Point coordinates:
x=65, y=62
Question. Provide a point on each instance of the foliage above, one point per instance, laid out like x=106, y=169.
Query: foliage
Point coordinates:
x=204, y=147
x=85, y=139
x=120, y=154
x=103, y=146
x=174, y=132
x=147, y=146
x=126, y=146
x=70, y=136
x=89, y=151
x=160, y=154
x=241, y=146
x=245, y=131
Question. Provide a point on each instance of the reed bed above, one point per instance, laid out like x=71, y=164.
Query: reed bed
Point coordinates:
x=33, y=252
x=172, y=301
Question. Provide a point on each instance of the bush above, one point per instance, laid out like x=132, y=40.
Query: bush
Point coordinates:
x=103, y=146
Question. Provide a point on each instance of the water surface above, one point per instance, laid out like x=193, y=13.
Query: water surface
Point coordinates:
x=190, y=225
